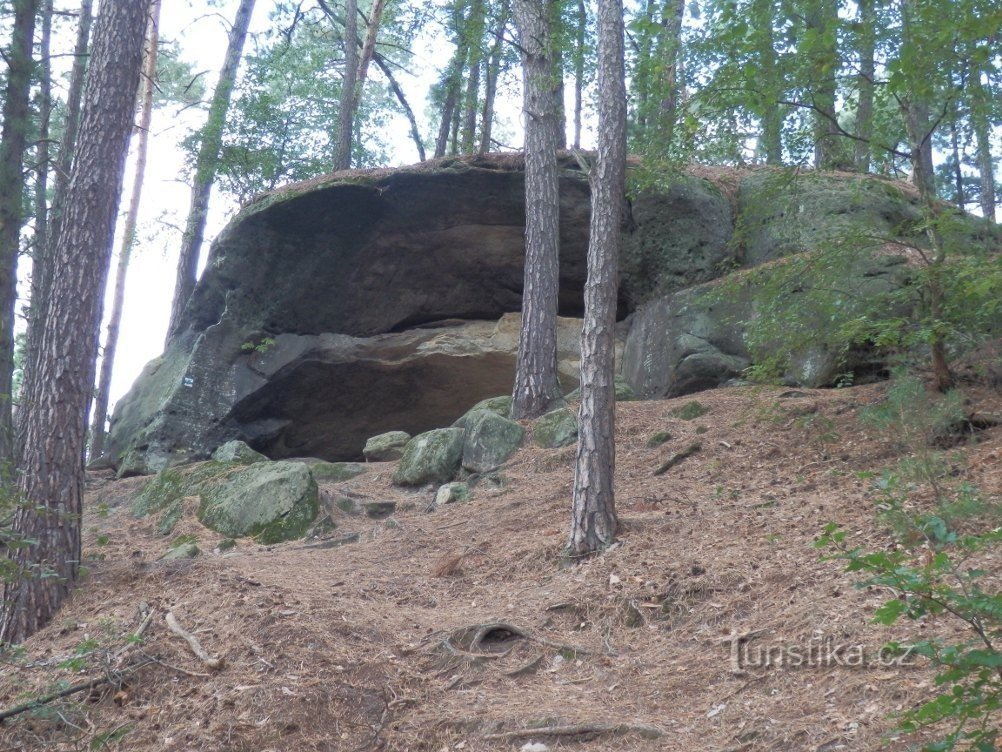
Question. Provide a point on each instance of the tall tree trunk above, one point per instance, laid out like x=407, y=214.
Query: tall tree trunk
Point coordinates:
x=763, y=14
x=352, y=86
x=491, y=84
x=103, y=393
x=399, y=94
x=42, y=150
x=958, y=174
x=580, y=35
x=41, y=269
x=346, y=122
x=983, y=144
x=470, y=108
x=593, y=516
x=862, y=149
x=669, y=47
x=453, y=84
x=205, y=169
x=59, y=394
x=536, y=385
x=12, y=145
x=822, y=18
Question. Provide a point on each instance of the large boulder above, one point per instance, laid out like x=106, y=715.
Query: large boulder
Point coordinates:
x=430, y=457
x=269, y=501
x=698, y=338
x=489, y=440
x=679, y=235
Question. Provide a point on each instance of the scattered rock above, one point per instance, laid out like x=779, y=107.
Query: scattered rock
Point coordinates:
x=624, y=392
x=334, y=472
x=690, y=411
x=378, y=510
x=556, y=428
x=183, y=551
x=497, y=405
x=237, y=451
x=386, y=446
x=658, y=439
x=347, y=505
x=489, y=441
x=451, y=493
x=271, y=502
x=430, y=457
x=321, y=529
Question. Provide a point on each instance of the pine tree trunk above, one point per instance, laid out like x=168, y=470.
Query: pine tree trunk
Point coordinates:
x=205, y=169
x=41, y=269
x=472, y=100
x=669, y=48
x=491, y=84
x=399, y=94
x=453, y=82
x=772, y=120
x=822, y=17
x=13, y=142
x=59, y=393
x=536, y=386
x=42, y=150
x=593, y=517
x=342, y=149
x=103, y=392
x=579, y=68
x=983, y=145
x=862, y=149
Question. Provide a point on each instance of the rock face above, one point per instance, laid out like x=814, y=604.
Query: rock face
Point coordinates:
x=386, y=300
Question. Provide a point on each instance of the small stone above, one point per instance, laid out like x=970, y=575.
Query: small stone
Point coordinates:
x=386, y=446
x=239, y=452
x=322, y=528
x=430, y=457
x=489, y=441
x=184, y=551
x=347, y=505
x=378, y=510
x=451, y=493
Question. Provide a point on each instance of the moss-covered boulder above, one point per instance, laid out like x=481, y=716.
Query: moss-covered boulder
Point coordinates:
x=490, y=439
x=334, y=472
x=430, y=457
x=556, y=428
x=680, y=235
x=237, y=451
x=497, y=405
x=386, y=446
x=271, y=502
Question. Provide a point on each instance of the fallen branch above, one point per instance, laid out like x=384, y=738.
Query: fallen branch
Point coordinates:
x=71, y=690
x=648, y=732
x=677, y=458
x=196, y=647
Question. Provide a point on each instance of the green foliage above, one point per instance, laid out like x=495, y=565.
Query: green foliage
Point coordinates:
x=945, y=530
x=263, y=345
x=690, y=411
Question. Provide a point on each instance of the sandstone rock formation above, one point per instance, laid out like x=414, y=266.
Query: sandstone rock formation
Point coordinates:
x=386, y=300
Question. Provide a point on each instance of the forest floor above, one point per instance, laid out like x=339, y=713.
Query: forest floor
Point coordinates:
x=378, y=644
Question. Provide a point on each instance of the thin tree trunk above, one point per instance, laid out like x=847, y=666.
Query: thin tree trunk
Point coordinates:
x=772, y=121
x=351, y=94
x=205, y=169
x=668, y=51
x=398, y=92
x=470, y=109
x=59, y=393
x=453, y=83
x=12, y=146
x=593, y=516
x=103, y=393
x=346, y=123
x=579, y=68
x=536, y=385
x=491, y=84
x=862, y=149
x=822, y=17
x=958, y=175
x=42, y=150
x=41, y=269
x=983, y=146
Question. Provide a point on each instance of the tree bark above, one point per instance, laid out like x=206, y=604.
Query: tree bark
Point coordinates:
x=453, y=83
x=491, y=83
x=205, y=169
x=42, y=149
x=13, y=141
x=51, y=481
x=536, y=385
x=763, y=14
x=983, y=146
x=822, y=18
x=862, y=149
x=669, y=47
x=103, y=392
x=579, y=68
x=351, y=92
x=399, y=94
x=593, y=517
x=41, y=269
